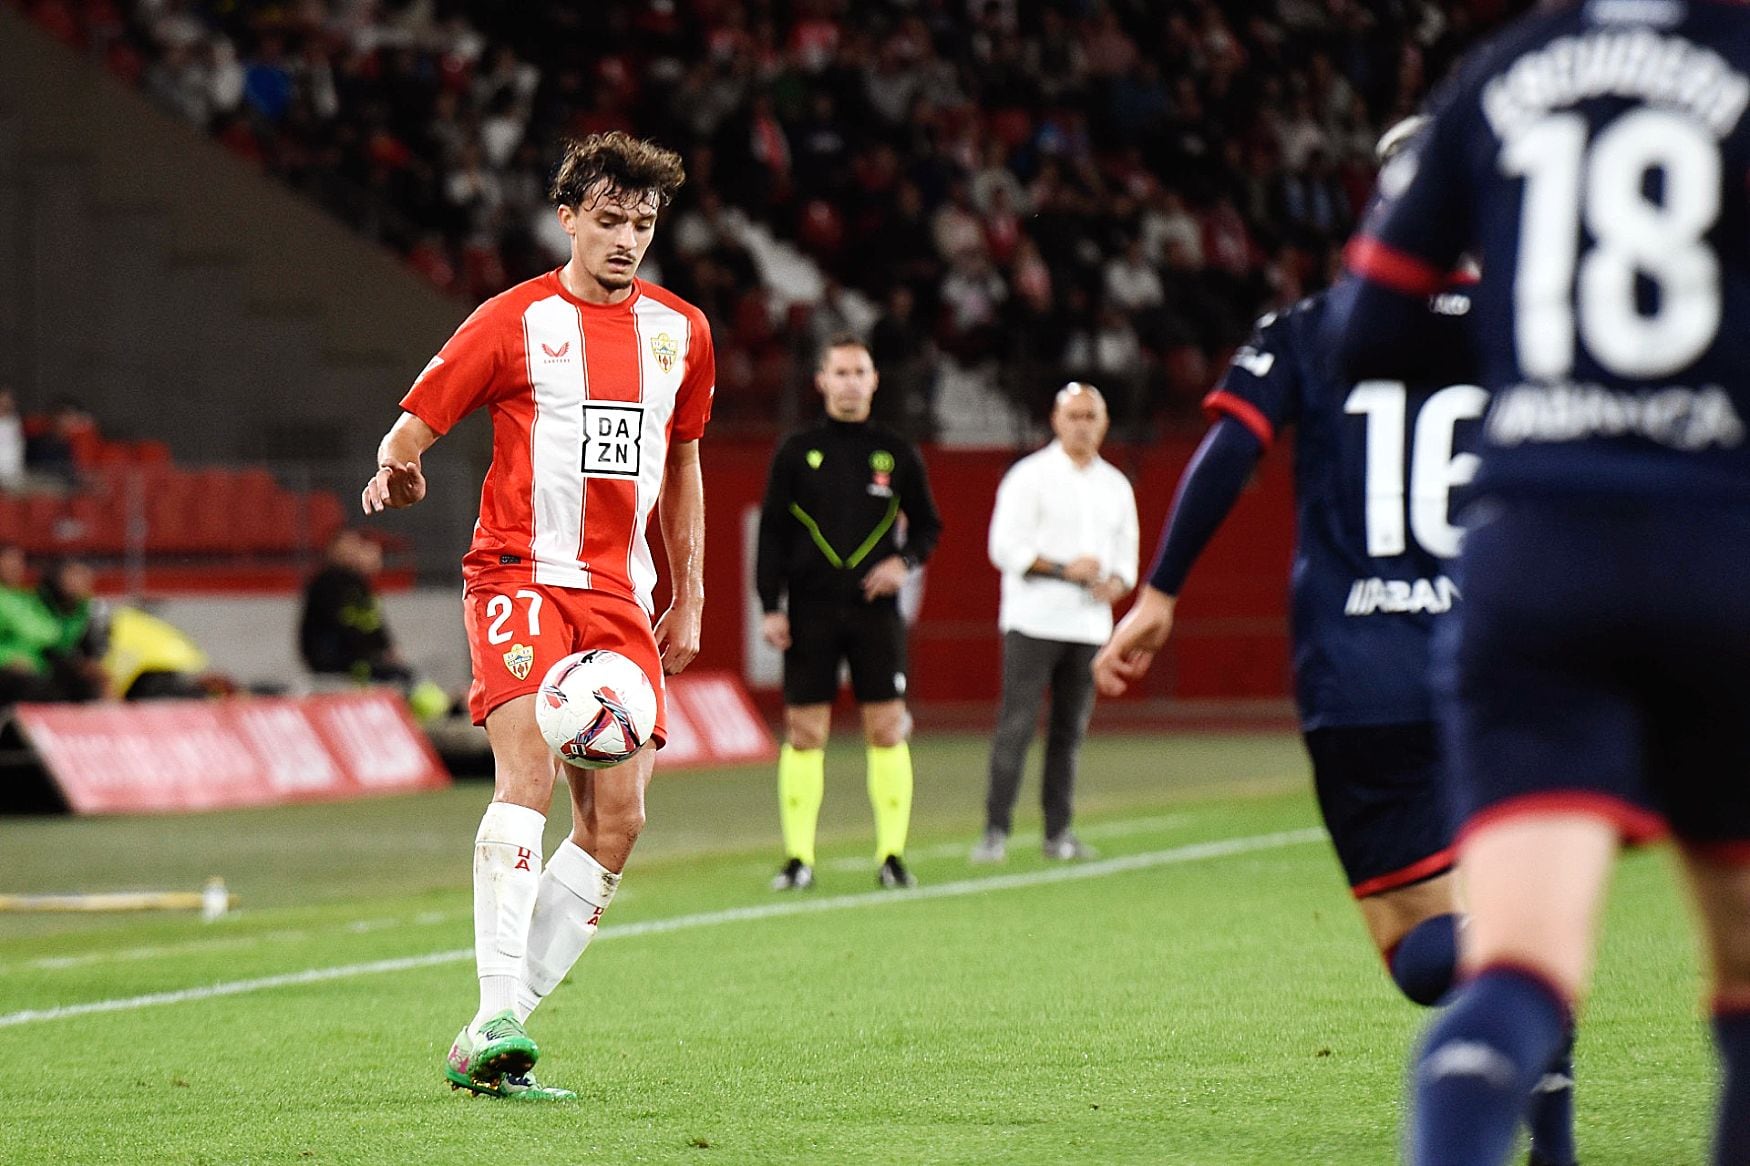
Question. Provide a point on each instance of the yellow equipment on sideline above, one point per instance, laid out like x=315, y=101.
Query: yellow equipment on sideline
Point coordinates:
x=212, y=902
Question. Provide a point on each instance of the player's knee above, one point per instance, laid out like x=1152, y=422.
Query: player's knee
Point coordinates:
x=1424, y=963
x=886, y=736
x=626, y=822
x=886, y=724
x=807, y=737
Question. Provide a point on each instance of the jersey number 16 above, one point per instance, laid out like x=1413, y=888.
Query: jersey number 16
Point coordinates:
x=1434, y=470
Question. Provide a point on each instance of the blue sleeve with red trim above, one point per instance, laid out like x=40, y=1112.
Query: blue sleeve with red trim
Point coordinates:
x=1210, y=486
x=1411, y=241
x=1261, y=387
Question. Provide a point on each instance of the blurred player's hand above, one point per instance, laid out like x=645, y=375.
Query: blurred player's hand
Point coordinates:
x=1085, y=570
x=677, y=636
x=775, y=630
x=1108, y=590
x=1139, y=635
x=394, y=487
x=884, y=578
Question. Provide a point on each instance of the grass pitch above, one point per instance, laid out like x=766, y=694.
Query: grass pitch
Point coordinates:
x=1202, y=994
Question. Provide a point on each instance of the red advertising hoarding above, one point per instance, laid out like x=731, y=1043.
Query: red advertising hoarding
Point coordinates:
x=177, y=756
x=713, y=721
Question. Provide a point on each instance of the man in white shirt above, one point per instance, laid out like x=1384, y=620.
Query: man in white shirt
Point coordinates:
x=1064, y=535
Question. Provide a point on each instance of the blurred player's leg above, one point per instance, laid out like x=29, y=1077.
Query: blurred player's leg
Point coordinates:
x=1722, y=890
x=1415, y=929
x=885, y=724
x=1026, y=671
x=608, y=812
x=801, y=788
x=1535, y=885
x=1072, y=706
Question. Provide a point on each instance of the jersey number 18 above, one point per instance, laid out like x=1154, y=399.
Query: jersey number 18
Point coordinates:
x=1635, y=237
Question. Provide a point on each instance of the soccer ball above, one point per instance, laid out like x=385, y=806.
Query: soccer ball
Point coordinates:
x=595, y=709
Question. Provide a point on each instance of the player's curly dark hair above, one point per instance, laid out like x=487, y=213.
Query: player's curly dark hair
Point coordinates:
x=633, y=168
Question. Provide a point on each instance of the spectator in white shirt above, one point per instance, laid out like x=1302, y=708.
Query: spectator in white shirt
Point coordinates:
x=11, y=442
x=1064, y=535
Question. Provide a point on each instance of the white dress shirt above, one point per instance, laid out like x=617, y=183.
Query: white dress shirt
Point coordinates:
x=1050, y=508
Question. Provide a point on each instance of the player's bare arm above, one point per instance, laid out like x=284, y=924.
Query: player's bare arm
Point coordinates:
x=682, y=514
x=399, y=481
x=884, y=578
x=1128, y=655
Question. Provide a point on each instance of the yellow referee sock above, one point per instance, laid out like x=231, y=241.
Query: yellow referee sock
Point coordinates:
x=801, y=783
x=890, y=794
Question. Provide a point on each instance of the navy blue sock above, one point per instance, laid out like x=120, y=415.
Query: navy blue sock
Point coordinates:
x=1477, y=1065
x=1732, y=1134
x=1551, y=1116
x=1425, y=960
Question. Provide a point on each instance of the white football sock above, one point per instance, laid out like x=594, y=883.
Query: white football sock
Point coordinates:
x=507, y=875
x=575, y=890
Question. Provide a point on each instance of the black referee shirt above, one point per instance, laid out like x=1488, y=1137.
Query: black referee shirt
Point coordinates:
x=832, y=508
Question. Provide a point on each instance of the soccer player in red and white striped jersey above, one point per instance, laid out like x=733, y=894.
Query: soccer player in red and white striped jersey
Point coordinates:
x=599, y=387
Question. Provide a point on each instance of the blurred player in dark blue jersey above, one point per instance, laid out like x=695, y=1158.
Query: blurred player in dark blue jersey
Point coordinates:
x=1596, y=682
x=1377, y=464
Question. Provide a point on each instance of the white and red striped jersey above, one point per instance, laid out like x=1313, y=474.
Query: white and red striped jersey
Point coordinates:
x=585, y=399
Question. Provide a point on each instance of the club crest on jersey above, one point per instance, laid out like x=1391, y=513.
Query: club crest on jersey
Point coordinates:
x=814, y=457
x=664, y=349
x=556, y=353
x=881, y=471
x=519, y=660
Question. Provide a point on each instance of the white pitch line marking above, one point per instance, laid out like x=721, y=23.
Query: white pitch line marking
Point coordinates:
x=55, y=963
x=1124, y=829
x=1194, y=852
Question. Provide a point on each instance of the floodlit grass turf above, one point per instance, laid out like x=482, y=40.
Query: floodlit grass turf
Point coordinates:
x=1216, y=1010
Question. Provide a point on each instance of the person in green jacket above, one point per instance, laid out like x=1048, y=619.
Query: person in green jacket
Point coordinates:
x=50, y=637
x=26, y=632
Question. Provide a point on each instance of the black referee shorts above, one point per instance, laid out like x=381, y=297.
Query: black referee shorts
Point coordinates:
x=870, y=637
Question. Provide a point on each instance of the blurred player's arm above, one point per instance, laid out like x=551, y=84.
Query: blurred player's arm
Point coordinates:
x=1377, y=322
x=399, y=481
x=1208, y=490
x=681, y=510
x=1260, y=391
x=772, y=548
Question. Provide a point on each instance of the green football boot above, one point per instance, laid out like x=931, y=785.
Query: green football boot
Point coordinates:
x=501, y=1050
x=524, y=1087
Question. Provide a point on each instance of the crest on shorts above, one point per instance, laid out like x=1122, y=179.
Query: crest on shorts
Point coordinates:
x=663, y=347
x=519, y=660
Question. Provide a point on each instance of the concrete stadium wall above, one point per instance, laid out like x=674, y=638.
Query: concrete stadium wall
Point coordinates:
x=177, y=291
x=255, y=638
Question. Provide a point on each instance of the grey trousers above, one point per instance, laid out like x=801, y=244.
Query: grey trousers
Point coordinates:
x=1030, y=667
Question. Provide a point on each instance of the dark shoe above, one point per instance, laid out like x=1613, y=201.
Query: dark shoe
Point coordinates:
x=893, y=874
x=796, y=876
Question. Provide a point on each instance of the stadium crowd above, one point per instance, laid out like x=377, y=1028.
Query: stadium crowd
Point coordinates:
x=1109, y=189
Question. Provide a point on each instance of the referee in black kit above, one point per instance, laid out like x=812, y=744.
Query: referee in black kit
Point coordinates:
x=831, y=540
